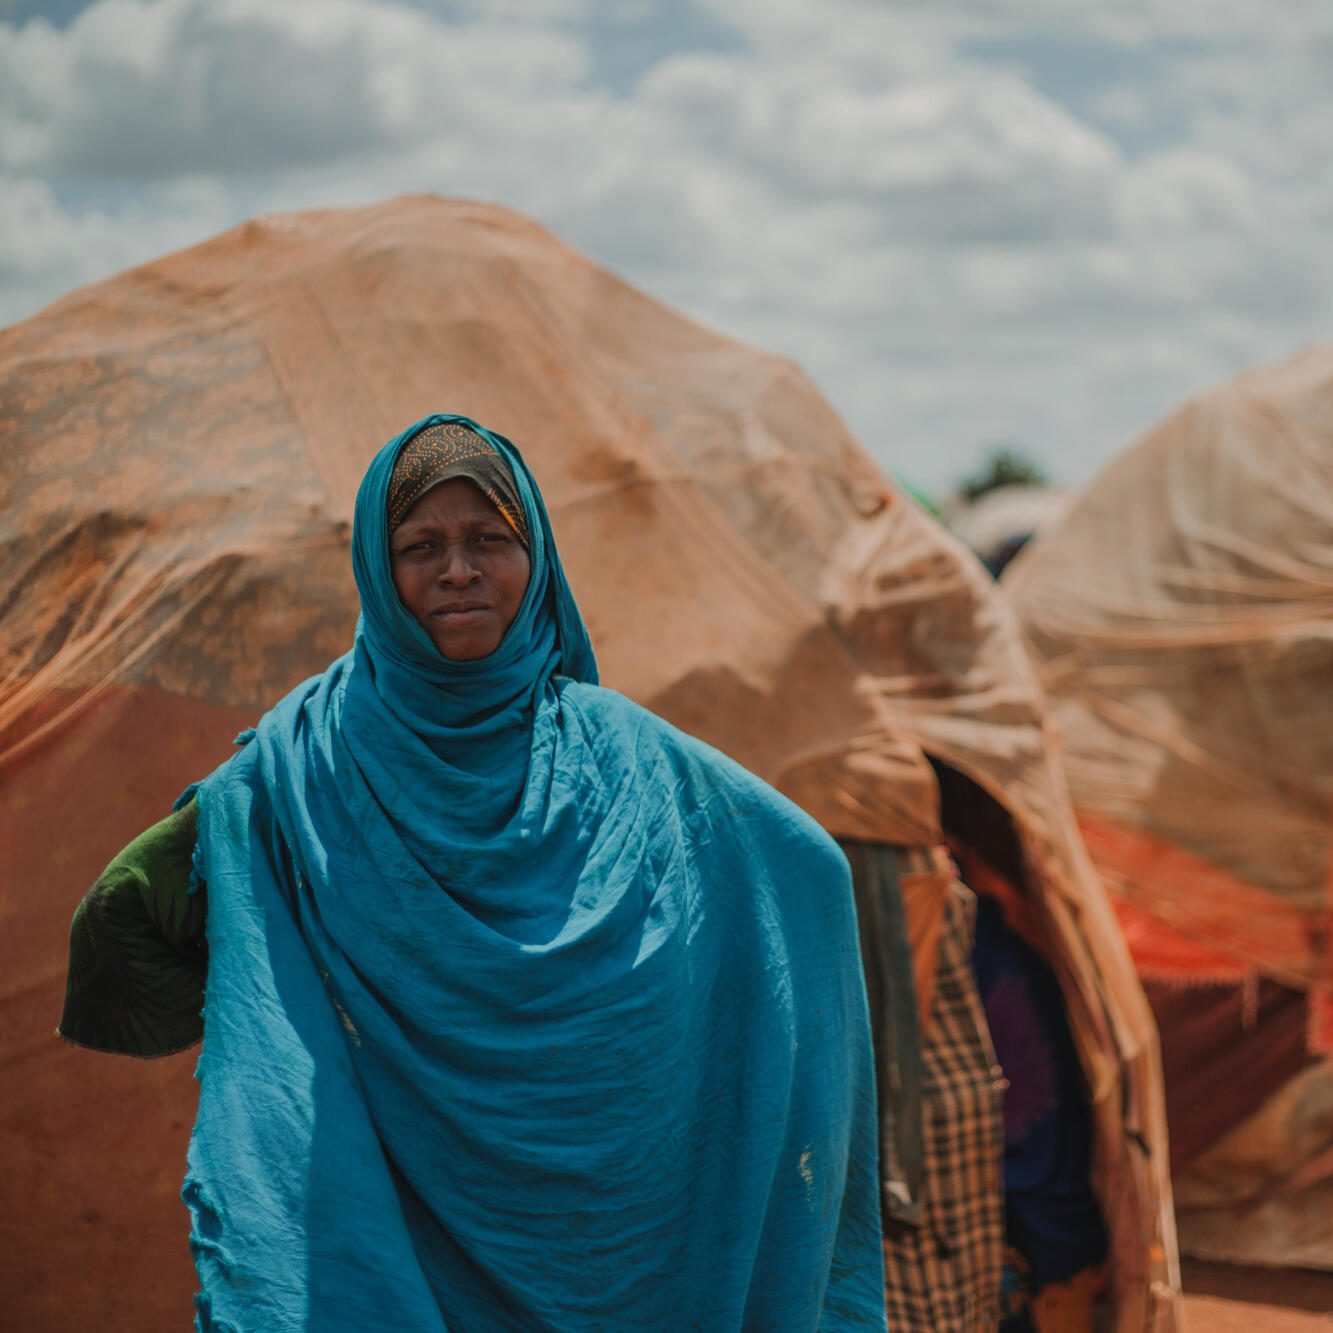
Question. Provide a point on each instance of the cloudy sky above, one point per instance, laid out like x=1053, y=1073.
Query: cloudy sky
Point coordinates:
x=1041, y=222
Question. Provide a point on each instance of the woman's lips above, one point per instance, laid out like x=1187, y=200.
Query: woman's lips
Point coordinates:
x=466, y=614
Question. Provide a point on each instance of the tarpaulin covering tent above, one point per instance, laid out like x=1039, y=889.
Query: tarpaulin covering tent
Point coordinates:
x=1182, y=617
x=181, y=446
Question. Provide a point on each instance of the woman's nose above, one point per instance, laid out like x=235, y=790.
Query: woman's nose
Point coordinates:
x=456, y=569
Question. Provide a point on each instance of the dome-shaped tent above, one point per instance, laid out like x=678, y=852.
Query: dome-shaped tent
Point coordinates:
x=1182, y=619
x=181, y=447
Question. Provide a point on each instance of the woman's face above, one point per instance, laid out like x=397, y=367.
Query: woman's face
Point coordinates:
x=459, y=569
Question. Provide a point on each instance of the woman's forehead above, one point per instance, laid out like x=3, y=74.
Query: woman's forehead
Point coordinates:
x=456, y=500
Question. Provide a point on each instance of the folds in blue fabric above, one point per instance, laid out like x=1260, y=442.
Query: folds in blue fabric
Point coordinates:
x=525, y=1011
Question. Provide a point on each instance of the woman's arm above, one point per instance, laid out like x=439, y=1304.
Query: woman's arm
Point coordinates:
x=137, y=952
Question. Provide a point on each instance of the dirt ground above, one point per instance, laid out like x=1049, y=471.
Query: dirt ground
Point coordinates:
x=1222, y=1299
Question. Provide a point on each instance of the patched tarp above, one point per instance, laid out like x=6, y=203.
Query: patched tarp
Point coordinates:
x=1182, y=618
x=181, y=447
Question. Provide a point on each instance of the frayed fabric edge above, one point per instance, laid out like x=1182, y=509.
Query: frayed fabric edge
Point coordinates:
x=208, y=1253
x=204, y=1320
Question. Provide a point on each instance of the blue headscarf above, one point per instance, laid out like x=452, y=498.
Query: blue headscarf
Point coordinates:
x=524, y=1011
x=476, y=717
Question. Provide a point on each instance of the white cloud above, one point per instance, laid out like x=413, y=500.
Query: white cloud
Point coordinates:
x=45, y=249
x=156, y=88
x=1049, y=238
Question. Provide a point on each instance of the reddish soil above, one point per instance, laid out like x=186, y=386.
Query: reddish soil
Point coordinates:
x=1222, y=1299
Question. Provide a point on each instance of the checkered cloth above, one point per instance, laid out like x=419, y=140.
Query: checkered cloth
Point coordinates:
x=944, y=1275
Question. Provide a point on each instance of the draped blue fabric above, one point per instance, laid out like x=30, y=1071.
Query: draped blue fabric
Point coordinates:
x=525, y=1011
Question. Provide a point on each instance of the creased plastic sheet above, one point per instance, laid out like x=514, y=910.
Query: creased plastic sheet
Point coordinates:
x=1182, y=619
x=181, y=447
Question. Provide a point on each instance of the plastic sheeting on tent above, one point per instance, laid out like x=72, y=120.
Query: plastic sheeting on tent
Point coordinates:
x=181, y=448
x=1182, y=618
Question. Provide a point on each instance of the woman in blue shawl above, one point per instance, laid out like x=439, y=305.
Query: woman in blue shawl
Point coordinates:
x=524, y=1011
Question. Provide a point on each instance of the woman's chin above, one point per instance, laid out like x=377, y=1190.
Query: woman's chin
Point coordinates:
x=465, y=645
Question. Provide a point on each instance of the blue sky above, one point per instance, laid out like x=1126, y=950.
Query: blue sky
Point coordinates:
x=971, y=221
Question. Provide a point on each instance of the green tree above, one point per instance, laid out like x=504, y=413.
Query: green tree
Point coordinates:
x=1004, y=467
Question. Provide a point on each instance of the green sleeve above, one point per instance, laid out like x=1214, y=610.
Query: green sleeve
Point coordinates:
x=137, y=952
